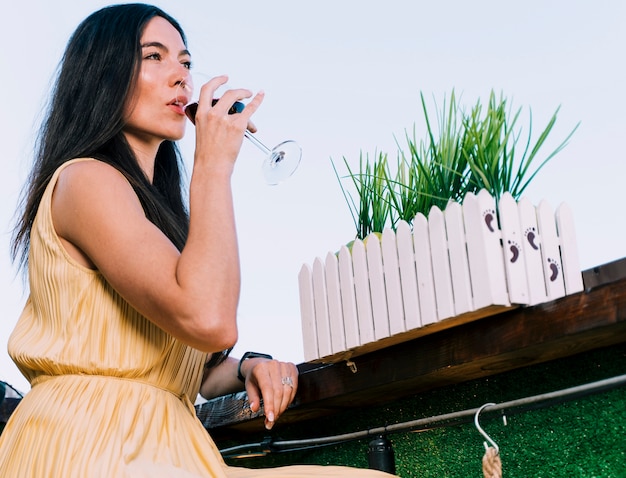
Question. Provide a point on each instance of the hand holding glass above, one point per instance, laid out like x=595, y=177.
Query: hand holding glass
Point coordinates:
x=280, y=162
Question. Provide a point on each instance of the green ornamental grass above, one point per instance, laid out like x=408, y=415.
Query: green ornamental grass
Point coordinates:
x=466, y=152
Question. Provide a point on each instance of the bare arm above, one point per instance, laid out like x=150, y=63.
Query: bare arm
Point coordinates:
x=263, y=379
x=192, y=294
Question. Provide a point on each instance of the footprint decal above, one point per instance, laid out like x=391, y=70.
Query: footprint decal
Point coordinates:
x=554, y=268
x=531, y=237
x=515, y=251
x=489, y=216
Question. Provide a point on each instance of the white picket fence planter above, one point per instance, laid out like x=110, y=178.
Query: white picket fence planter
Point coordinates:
x=455, y=266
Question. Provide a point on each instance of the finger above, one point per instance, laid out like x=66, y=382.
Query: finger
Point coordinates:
x=290, y=372
x=286, y=393
x=262, y=385
x=254, y=397
x=253, y=104
x=207, y=91
x=282, y=387
x=251, y=127
x=224, y=103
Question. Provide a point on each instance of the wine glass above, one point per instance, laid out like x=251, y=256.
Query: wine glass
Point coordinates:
x=280, y=162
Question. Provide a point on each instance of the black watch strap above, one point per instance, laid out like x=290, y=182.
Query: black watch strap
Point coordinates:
x=249, y=355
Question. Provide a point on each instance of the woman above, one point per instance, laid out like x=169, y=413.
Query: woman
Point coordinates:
x=133, y=301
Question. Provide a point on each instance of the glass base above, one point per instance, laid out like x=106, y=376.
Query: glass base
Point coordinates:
x=282, y=162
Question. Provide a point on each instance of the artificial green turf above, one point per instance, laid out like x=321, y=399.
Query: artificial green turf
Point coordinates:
x=585, y=437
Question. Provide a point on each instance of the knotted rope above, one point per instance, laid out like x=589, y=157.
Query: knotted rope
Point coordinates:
x=492, y=465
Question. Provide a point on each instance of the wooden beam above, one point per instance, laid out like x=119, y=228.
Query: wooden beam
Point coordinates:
x=512, y=339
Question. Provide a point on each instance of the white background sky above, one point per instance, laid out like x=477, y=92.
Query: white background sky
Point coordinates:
x=343, y=77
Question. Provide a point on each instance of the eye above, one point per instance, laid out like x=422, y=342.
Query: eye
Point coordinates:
x=187, y=64
x=153, y=56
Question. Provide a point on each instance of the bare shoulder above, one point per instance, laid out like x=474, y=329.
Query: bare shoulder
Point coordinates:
x=90, y=171
x=87, y=181
x=91, y=196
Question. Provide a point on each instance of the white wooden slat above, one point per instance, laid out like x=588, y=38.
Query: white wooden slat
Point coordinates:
x=484, y=250
x=348, y=299
x=307, y=313
x=408, y=276
x=335, y=312
x=377, y=287
x=363, y=295
x=537, y=291
x=493, y=244
x=572, y=273
x=424, y=270
x=322, y=320
x=552, y=267
x=459, y=266
x=441, y=264
x=395, y=307
x=514, y=257
x=476, y=253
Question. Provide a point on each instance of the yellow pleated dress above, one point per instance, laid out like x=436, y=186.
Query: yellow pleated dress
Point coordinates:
x=111, y=393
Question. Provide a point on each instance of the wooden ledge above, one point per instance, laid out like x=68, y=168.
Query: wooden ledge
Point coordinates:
x=498, y=343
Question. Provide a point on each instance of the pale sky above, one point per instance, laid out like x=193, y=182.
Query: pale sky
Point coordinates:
x=341, y=78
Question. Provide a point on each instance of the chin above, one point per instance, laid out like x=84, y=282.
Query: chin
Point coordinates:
x=175, y=135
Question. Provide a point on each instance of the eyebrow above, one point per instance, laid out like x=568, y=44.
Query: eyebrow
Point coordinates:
x=156, y=44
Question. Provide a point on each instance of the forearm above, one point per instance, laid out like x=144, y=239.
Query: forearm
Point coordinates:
x=211, y=253
x=221, y=380
x=208, y=269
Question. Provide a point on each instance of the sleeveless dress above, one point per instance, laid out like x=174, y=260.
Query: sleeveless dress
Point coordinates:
x=111, y=392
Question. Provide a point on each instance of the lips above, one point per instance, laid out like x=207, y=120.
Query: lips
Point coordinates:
x=178, y=104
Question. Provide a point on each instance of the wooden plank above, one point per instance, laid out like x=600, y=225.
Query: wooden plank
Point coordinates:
x=363, y=295
x=484, y=250
x=569, y=249
x=377, y=287
x=552, y=267
x=307, y=313
x=348, y=299
x=531, y=246
x=459, y=265
x=393, y=287
x=322, y=321
x=408, y=275
x=604, y=274
x=441, y=264
x=335, y=311
x=514, y=257
x=424, y=270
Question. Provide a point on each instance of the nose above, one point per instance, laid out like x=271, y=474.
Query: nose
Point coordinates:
x=183, y=78
x=183, y=81
x=179, y=72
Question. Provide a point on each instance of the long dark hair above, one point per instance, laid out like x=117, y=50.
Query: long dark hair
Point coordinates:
x=85, y=118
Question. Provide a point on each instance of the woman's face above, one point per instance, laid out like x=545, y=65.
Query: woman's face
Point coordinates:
x=154, y=113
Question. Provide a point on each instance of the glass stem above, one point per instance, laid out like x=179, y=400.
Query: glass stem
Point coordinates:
x=256, y=142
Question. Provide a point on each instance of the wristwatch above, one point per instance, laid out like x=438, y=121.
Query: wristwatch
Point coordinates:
x=249, y=355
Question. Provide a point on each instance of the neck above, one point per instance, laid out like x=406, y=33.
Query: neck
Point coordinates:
x=145, y=152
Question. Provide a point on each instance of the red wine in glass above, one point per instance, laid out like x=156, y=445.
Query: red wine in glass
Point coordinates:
x=280, y=162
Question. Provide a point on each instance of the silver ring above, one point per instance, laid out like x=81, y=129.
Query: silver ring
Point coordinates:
x=287, y=381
